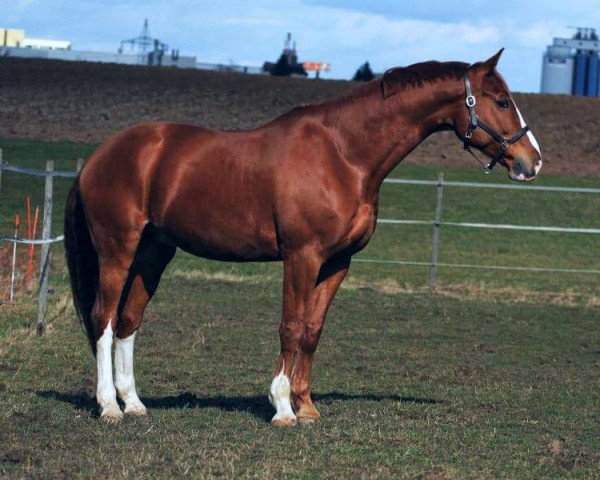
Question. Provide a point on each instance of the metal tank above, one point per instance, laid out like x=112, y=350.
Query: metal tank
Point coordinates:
x=557, y=71
x=592, y=75
x=580, y=78
x=571, y=65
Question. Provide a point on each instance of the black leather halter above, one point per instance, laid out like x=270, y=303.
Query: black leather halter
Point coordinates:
x=475, y=121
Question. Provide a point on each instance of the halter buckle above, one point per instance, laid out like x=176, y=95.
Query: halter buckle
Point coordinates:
x=474, y=122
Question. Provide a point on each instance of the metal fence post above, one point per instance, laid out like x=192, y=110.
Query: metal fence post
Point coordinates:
x=436, y=233
x=45, y=256
x=1, y=170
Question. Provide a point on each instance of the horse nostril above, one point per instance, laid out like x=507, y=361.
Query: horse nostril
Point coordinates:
x=518, y=167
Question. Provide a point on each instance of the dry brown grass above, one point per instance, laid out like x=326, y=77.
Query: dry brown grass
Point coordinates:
x=198, y=274
x=478, y=290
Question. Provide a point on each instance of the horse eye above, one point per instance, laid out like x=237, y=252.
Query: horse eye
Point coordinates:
x=503, y=103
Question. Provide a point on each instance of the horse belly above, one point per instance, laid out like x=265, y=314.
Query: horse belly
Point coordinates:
x=222, y=234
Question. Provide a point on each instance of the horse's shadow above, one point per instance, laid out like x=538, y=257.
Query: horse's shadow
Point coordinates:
x=257, y=405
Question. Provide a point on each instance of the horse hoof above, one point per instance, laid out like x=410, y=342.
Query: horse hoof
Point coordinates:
x=307, y=414
x=111, y=416
x=136, y=410
x=284, y=421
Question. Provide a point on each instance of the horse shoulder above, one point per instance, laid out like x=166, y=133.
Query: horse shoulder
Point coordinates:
x=120, y=165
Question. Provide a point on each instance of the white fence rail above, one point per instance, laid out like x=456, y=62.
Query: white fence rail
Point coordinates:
x=496, y=186
x=497, y=226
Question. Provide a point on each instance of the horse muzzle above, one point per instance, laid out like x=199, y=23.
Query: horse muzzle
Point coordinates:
x=524, y=169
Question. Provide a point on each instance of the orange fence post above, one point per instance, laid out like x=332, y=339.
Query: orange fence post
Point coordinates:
x=31, y=228
x=14, y=258
x=28, y=214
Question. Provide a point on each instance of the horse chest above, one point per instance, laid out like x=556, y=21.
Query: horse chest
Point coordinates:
x=362, y=227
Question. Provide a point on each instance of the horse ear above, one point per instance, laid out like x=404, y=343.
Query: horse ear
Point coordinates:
x=388, y=84
x=491, y=62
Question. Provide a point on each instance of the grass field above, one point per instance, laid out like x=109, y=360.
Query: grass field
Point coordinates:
x=494, y=376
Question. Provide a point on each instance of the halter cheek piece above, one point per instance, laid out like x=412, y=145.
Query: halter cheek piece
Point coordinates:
x=475, y=121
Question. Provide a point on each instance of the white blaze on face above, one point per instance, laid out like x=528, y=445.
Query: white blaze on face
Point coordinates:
x=531, y=138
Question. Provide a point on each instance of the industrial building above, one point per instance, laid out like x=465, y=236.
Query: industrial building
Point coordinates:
x=141, y=50
x=144, y=50
x=15, y=38
x=570, y=65
x=287, y=65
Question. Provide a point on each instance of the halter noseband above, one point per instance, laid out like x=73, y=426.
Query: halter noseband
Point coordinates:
x=475, y=121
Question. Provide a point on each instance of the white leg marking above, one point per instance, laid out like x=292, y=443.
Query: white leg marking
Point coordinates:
x=531, y=138
x=124, y=379
x=105, y=391
x=279, y=396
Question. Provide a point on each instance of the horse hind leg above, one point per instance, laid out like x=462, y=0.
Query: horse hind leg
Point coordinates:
x=149, y=264
x=113, y=271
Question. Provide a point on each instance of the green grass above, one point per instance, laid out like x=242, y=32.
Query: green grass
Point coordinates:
x=409, y=386
x=495, y=376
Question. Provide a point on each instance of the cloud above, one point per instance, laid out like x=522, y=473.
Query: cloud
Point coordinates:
x=356, y=28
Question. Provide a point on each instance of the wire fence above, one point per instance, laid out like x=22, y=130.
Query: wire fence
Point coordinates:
x=46, y=237
x=437, y=223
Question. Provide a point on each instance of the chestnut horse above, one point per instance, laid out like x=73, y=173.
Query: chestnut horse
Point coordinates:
x=303, y=189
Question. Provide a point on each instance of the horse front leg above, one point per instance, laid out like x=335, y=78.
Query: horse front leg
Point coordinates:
x=300, y=274
x=331, y=276
x=116, y=251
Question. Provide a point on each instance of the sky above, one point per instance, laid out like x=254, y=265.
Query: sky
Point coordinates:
x=344, y=33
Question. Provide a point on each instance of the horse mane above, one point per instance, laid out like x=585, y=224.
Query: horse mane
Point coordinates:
x=402, y=78
x=398, y=79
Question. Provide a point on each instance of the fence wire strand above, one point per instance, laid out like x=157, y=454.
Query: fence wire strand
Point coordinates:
x=480, y=267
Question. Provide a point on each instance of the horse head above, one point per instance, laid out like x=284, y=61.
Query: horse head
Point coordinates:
x=489, y=121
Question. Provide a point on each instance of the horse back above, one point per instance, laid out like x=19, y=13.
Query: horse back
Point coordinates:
x=207, y=191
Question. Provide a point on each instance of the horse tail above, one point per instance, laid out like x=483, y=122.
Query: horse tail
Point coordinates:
x=82, y=262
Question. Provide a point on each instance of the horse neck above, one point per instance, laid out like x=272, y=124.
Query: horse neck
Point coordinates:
x=378, y=133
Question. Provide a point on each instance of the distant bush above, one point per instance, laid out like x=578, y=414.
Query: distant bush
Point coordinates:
x=364, y=73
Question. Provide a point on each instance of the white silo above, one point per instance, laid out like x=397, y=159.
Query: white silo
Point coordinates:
x=557, y=70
